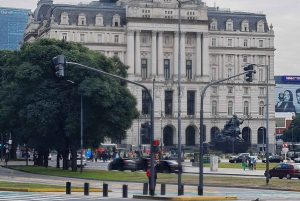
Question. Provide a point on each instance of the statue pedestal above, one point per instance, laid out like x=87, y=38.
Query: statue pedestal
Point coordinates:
x=214, y=163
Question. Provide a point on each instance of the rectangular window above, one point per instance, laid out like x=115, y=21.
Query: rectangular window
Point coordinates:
x=230, y=108
x=229, y=72
x=214, y=90
x=260, y=59
x=116, y=23
x=99, y=38
x=214, y=42
x=260, y=43
x=261, y=90
x=167, y=68
x=229, y=58
x=167, y=40
x=245, y=42
x=188, y=40
x=64, y=36
x=260, y=28
x=213, y=74
x=189, y=69
x=260, y=75
x=246, y=108
x=82, y=37
x=214, y=58
x=245, y=59
x=144, y=39
x=230, y=90
x=261, y=110
x=144, y=68
x=116, y=38
x=116, y=54
x=145, y=102
x=246, y=90
x=229, y=42
x=214, y=110
x=190, y=103
x=168, y=102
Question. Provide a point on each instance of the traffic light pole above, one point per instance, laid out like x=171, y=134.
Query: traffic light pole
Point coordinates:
x=152, y=115
x=200, y=187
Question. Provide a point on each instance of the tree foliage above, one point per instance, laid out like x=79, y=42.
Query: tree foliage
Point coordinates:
x=43, y=110
x=292, y=134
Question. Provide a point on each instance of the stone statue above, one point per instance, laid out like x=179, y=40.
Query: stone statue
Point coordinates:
x=231, y=131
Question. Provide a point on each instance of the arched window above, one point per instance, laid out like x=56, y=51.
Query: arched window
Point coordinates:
x=261, y=135
x=168, y=136
x=214, y=24
x=213, y=132
x=229, y=25
x=190, y=136
x=246, y=134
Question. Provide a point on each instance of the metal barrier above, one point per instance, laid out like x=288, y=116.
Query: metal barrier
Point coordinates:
x=145, y=189
x=125, y=191
x=68, y=187
x=163, y=189
x=86, y=188
x=105, y=189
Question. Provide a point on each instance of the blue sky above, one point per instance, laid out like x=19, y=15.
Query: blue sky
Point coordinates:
x=282, y=14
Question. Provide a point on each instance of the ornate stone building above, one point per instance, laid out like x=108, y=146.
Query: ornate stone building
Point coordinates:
x=215, y=44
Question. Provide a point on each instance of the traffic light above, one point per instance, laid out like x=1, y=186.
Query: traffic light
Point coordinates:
x=156, y=147
x=59, y=63
x=249, y=68
x=145, y=130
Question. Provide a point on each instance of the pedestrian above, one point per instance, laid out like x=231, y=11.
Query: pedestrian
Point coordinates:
x=244, y=161
x=251, y=163
x=6, y=160
x=254, y=163
x=148, y=173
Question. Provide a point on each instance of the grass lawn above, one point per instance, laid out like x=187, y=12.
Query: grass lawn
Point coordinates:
x=187, y=179
x=259, y=166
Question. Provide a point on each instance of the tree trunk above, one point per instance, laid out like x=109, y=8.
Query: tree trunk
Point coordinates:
x=74, y=157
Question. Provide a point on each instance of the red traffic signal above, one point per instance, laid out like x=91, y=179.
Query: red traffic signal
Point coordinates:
x=156, y=143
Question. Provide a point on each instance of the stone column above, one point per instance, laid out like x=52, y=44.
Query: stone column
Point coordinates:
x=236, y=66
x=153, y=53
x=198, y=54
x=220, y=72
x=206, y=67
x=130, y=51
x=160, y=61
x=182, y=53
x=175, y=53
x=137, y=53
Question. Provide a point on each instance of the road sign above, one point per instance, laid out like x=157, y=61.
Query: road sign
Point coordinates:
x=285, y=150
x=285, y=145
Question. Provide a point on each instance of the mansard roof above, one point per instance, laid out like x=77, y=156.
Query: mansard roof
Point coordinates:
x=237, y=17
x=108, y=10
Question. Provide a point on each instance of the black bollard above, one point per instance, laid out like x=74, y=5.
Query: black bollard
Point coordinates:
x=145, y=189
x=86, y=188
x=105, y=190
x=181, y=192
x=68, y=187
x=125, y=191
x=163, y=189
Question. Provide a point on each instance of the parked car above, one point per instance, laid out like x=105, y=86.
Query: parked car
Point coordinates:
x=167, y=166
x=78, y=161
x=273, y=159
x=285, y=170
x=174, y=157
x=122, y=164
x=239, y=158
x=297, y=160
x=141, y=163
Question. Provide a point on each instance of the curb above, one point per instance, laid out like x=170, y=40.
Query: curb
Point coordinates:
x=148, y=197
x=50, y=189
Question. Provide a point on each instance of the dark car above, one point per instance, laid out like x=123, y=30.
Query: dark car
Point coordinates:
x=173, y=157
x=239, y=158
x=273, y=159
x=167, y=166
x=141, y=163
x=285, y=170
x=121, y=164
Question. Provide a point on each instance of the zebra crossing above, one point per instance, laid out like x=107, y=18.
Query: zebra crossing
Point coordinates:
x=21, y=196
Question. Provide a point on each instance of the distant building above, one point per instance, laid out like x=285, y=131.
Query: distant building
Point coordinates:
x=13, y=21
x=215, y=44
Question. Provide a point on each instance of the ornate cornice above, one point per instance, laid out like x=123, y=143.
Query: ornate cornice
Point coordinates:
x=166, y=21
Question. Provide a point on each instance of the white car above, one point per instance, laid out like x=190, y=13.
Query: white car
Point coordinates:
x=78, y=161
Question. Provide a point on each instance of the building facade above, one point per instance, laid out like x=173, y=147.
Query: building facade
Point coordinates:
x=12, y=24
x=214, y=44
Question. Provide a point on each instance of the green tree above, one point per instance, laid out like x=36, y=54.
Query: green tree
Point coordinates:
x=292, y=134
x=46, y=109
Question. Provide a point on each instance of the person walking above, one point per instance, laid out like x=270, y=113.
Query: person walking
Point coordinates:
x=244, y=161
x=254, y=163
x=148, y=173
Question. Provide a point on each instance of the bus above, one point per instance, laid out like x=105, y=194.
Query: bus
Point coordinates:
x=105, y=147
x=294, y=151
x=145, y=148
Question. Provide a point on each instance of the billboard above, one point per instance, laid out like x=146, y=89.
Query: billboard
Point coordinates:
x=287, y=98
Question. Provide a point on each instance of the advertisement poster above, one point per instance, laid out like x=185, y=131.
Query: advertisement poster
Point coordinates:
x=287, y=98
